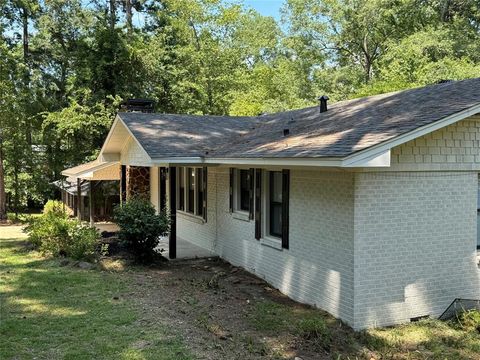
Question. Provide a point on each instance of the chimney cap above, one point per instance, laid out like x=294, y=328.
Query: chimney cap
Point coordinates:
x=138, y=105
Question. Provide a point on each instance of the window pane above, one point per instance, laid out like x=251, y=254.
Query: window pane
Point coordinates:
x=245, y=190
x=276, y=220
x=200, y=192
x=276, y=190
x=191, y=190
x=275, y=203
x=181, y=188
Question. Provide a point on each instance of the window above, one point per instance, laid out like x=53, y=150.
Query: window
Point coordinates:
x=241, y=192
x=244, y=190
x=201, y=196
x=181, y=189
x=191, y=190
x=275, y=204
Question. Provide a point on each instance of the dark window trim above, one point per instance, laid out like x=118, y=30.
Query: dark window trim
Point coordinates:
x=273, y=204
x=286, y=207
x=258, y=204
x=244, y=192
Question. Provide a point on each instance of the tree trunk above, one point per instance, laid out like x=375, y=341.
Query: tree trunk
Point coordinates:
x=128, y=11
x=3, y=195
x=26, y=60
x=113, y=14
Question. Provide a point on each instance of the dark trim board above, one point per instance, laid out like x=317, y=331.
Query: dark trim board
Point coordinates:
x=172, y=239
x=163, y=188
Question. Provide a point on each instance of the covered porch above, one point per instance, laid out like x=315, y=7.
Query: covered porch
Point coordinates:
x=91, y=191
x=184, y=250
x=153, y=183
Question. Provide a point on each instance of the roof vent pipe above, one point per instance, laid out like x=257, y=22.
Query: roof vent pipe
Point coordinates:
x=323, y=103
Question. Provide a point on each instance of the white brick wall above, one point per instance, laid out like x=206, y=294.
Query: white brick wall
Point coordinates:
x=415, y=244
x=318, y=267
x=196, y=230
x=455, y=147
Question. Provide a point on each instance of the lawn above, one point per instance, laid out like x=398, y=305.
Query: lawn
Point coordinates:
x=54, y=312
x=199, y=309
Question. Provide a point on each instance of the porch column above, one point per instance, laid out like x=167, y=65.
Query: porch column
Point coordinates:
x=90, y=203
x=123, y=184
x=79, y=199
x=172, y=240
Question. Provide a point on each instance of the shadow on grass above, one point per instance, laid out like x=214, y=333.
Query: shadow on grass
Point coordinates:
x=426, y=339
x=62, y=312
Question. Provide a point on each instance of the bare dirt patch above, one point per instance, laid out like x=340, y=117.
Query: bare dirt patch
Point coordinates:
x=223, y=312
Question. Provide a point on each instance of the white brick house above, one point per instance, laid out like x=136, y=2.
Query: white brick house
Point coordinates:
x=367, y=210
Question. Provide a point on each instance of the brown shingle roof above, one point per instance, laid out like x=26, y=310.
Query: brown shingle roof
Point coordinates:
x=347, y=126
x=167, y=135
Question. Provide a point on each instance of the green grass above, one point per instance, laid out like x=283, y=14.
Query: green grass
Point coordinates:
x=426, y=339
x=53, y=312
x=21, y=218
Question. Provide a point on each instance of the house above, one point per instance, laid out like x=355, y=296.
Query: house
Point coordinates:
x=365, y=208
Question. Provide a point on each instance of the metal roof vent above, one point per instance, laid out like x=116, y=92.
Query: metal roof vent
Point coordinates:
x=323, y=103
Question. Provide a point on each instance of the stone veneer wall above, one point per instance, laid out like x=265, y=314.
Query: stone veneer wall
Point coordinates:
x=138, y=182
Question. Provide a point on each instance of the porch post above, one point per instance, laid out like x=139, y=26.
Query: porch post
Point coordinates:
x=79, y=199
x=90, y=203
x=172, y=240
x=123, y=184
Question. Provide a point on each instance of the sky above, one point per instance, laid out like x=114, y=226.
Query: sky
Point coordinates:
x=266, y=7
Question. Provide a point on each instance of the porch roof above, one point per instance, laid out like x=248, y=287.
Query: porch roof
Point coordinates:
x=94, y=170
x=71, y=187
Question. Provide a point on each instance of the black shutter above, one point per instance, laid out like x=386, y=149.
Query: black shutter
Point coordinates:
x=231, y=190
x=163, y=189
x=251, y=183
x=285, y=206
x=205, y=177
x=258, y=204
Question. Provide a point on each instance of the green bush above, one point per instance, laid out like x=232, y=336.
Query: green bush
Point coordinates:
x=83, y=240
x=140, y=227
x=469, y=320
x=54, y=207
x=56, y=234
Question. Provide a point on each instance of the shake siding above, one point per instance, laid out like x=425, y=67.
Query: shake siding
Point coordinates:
x=415, y=244
x=455, y=147
x=132, y=154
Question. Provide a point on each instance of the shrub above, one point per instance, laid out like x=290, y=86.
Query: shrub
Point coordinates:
x=54, y=207
x=56, y=234
x=140, y=227
x=82, y=241
x=469, y=320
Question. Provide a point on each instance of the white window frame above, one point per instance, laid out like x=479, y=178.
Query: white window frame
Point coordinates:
x=237, y=193
x=267, y=238
x=196, y=191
